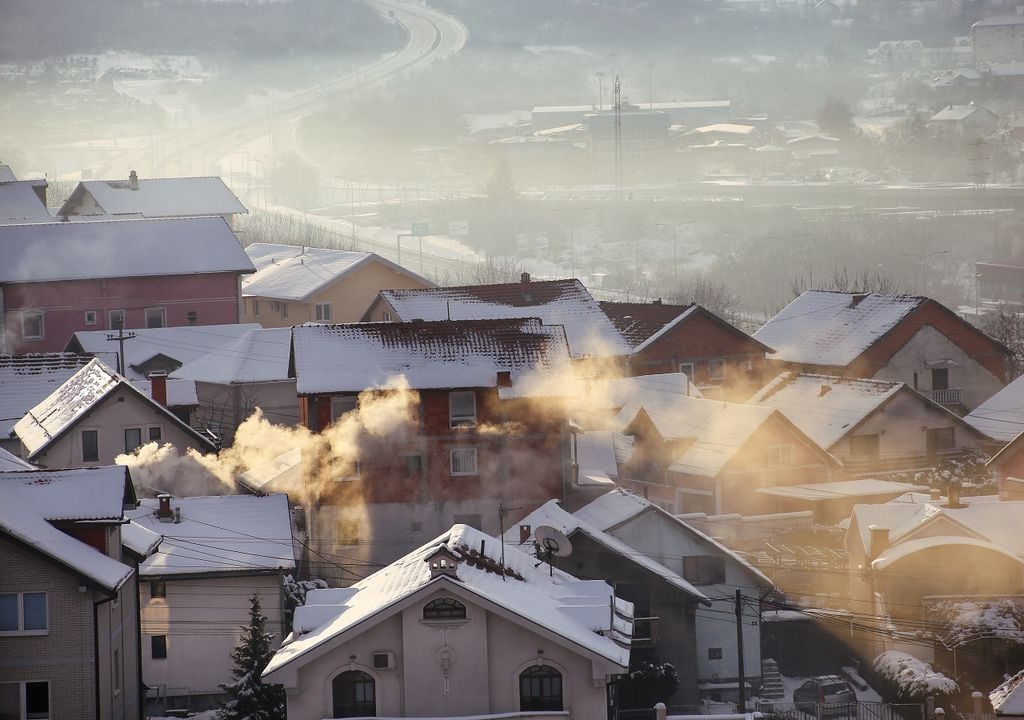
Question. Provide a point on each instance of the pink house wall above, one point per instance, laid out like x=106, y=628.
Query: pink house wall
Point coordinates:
x=212, y=296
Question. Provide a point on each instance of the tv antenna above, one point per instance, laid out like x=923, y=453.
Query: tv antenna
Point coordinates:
x=551, y=542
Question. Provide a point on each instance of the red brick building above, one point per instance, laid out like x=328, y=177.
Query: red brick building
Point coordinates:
x=720, y=359
x=907, y=338
x=482, y=426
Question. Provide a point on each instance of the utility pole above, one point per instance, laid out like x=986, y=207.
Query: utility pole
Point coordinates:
x=600, y=90
x=572, y=245
x=618, y=140
x=120, y=338
x=650, y=85
x=739, y=648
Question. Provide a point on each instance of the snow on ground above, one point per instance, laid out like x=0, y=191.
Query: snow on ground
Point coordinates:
x=205, y=715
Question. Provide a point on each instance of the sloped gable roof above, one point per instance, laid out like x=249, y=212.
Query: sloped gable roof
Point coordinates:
x=638, y=321
x=11, y=462
x=25, y=380
x=159, y=197
x=833, y=328
x=1001, y=417
x=555, y=302
x=288, y=272
x=579, y=612
x=430, y=355
x=51, y=251
x=19, y=202
x=101, y=493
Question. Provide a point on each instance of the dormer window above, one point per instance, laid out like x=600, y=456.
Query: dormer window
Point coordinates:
x=444, y=609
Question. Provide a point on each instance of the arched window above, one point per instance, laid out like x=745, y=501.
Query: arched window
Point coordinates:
x=540, y=689
x=354, y=695
x=444, y=609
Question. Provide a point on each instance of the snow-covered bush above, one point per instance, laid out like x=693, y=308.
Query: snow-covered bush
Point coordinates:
x=912, y=679
x=295, y=595
x=966, y=620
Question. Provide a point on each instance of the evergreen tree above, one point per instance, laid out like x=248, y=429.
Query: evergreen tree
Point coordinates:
x=250, y=699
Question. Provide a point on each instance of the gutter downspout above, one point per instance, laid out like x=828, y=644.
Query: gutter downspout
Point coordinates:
x=96, y=650
x=138, y=643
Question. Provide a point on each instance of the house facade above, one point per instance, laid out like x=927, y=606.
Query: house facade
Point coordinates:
x=998, y=39
x=69, y=629
x=95, y=416
x=480, y=426
x=910, y=339
x=214, y=553
x=25, y=381
x=122, y=273
x=294, y=285
x=456, y=629
x=720, y=359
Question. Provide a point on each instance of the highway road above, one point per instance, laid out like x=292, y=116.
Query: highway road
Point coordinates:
x=431, y=35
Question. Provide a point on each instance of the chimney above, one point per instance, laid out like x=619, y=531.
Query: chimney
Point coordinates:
x=825, y=390
x=158, y=386
x=525, y=277
x=856, y=299
x=879, y=540
x=953, y=496
x=163, y=512
x=133, y=180
x=524, y=534
x=935, y=494
x=443, y=562
x=657, y=302
x=504, y=378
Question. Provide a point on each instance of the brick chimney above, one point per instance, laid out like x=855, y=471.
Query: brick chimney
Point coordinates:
x=879, y=540
x=953, y=496
x=133, y=180
x=525, y=277
x=163, y=511
x=504, y=378
x=525, y=534
x=158, y=386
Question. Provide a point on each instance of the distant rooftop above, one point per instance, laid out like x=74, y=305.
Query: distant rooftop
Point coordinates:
x=999, y=20
x=157, y=197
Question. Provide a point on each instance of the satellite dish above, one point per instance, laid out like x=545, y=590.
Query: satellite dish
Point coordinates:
x=551, y=541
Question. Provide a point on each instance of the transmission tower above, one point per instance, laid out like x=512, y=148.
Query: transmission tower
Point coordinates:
x=618, y=140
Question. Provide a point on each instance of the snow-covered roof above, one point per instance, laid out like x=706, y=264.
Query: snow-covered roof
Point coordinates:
x=6, y=174
x=999, y=20
x=595, y=457
x=430, y=355
x=139, y=539
x=19, y=202
x=895, y=553
x=619, y=506
x=159, y=197
x=41, y=252
x=25, y=380
x=638, y=321
x=727, y=128
x=833, y=328
x=639, y=390
x=841, y=490
x=719, y=429
x=290, y=272
x=258, y=356
x=229, y=533
x=1008, y=697
x=578, y=612
x=827, y=139
x=182, y=345
x=825, y=407
x=282, y=474
x=64, y=407
x=180, y=393
x=553, y=515
x=80, y=558
x=101, y=493
x=556, y=302
x=10, y=462
x=1001, y=417
x=952, y=113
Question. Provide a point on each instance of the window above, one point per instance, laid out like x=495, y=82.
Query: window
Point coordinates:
x=155, y=434
x=463, y=461
x=284, y=310
x=32, y=325
x=864, y=447
x=940, y=378
x=156, y=317
x=342, y=405
x=90, y=317
x=115, y=318
x=716, y=369
x=687, y=369
x=462, y=408
x=704, y=569
x=28, y=700
x=132, y=439
x=90, y=446
x=193, y=317
x=781, y=454
x=158, y=647
x=256, y=308
x=939, y=439
x=23, y=613
x=414, y=464
x=354, y=695
x=444, y=609
x=540, y=689
x=323, y=312
x=714, y=653
x=474, y=520
x=157, y=589
x=387, y=317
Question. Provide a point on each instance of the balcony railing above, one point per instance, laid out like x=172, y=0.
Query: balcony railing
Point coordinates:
x=945, y=397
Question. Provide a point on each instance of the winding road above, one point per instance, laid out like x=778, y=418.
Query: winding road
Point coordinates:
x=431, y=35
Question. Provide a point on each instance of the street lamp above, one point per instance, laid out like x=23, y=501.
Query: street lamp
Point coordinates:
x=650, y=84
x=675, y=254
x=600, y=90
x=572, y=244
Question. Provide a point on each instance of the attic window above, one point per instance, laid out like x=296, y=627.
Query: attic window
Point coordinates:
x=444, y=609
x=781, y=454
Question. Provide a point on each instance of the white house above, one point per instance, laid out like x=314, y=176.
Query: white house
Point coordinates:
x=95, y=416
x=214, y=553
x=460, y=627
x=25, y=381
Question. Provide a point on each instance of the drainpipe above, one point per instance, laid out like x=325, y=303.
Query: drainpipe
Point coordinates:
x=138, y=644
x=96, y=649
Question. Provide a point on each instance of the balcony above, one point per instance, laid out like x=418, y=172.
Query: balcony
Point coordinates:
x=946, y=398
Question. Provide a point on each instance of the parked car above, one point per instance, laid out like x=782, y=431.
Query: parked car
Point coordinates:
x=830, y=691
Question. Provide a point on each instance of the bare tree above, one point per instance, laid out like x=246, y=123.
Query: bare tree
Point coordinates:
x=842, y=280
x=710, y=294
